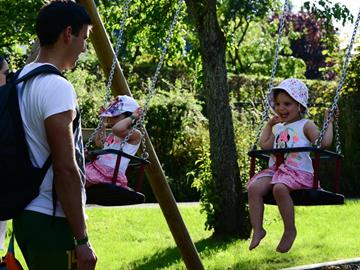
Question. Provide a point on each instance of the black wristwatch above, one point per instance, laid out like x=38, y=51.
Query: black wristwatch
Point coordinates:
x=80, y=242
x=133, y=119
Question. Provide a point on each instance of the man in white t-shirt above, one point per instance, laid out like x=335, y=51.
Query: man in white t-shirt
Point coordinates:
x=48, y=106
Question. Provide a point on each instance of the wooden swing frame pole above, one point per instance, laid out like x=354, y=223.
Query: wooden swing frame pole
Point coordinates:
x=154, y=172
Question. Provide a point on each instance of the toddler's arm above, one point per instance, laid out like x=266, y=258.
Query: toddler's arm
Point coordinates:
x=122, y=128
x=312, y=132
x=329, y=133
x=267, y=137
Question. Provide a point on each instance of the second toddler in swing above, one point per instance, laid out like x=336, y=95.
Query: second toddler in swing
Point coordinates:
x=120, y=115
x=287, y=129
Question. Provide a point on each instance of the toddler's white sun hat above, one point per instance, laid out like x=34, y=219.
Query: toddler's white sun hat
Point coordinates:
x=120, y=105
x=295, y=88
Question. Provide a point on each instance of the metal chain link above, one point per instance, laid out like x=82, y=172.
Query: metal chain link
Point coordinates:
x=338, y=90
x=139, y=124
x=111, y=74
x=117, y=49
x=337, y=136
x=266, y=104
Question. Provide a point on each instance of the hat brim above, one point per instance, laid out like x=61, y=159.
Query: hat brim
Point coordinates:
x=271, y=98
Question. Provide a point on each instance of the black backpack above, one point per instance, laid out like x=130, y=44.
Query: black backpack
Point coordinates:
x=19, y=179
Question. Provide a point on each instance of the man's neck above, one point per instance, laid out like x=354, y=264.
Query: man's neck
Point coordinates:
x=52, y=57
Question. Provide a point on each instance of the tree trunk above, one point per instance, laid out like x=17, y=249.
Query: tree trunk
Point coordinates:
x=231, y=216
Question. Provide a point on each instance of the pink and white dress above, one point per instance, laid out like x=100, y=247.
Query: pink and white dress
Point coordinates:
x=297, y=171
x=102, y=169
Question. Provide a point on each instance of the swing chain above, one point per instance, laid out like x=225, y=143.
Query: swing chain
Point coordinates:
x=117, y=50
x=266, y=104
x=145, y=154
x=338, y=90
x=111, y=75
x=97, y=130
x=139, y=124
x=337, y=137
x=152, y=89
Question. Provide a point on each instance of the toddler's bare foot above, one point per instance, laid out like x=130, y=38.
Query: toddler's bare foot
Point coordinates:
x=256, y=238
x=286, y=241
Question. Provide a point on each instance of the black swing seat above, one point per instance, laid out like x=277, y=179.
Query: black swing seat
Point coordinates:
x=308, y=197
x=304, y=197
x=110, y=194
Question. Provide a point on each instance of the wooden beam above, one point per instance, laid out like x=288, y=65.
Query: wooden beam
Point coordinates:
x=154, y=172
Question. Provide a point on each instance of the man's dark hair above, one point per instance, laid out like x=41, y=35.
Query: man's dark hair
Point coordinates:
x=56, y=16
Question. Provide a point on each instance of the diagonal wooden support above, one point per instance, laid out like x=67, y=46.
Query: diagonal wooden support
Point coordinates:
x=154, y=172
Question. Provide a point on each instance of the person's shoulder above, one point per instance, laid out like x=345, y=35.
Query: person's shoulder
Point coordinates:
x=51, y=76
x=309, y=124
x=307, y=121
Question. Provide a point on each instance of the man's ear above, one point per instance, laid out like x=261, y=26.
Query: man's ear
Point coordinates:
x=67, y=33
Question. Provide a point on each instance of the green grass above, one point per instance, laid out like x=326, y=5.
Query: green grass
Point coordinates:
x=138, y=238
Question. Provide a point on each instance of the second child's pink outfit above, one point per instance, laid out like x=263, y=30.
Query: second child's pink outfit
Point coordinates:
x=102, y=169
x=297, y=171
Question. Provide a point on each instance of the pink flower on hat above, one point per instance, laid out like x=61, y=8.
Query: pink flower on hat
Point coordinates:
x=120, y=105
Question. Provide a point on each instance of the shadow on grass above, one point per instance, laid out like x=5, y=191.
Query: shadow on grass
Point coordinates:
x=169, y=256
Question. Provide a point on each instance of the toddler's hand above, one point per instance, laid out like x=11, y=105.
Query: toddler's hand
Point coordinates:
x=137, y=113
x=274, y=120
x=102, y=109
x=336, y=114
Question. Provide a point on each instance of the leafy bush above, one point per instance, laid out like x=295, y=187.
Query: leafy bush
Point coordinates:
x=90, y=91
x=204, y=183
x=89, y=83
x=176, y=128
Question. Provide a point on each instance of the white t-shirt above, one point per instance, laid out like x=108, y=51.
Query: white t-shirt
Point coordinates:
x=39, y=98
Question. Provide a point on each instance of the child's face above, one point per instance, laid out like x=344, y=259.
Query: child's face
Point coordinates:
x=111, y=121
x=287, y=108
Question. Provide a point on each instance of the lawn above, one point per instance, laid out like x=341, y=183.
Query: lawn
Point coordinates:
x=138, y=238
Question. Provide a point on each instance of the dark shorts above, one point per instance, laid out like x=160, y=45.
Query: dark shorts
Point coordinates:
x=46, y=242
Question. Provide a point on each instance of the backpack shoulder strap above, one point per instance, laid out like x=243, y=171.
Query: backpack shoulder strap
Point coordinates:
x=48, y=161
x=44, y=69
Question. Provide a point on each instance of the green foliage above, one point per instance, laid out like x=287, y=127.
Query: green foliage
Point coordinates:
x=144, y=37
x=17, y=27
x=255, y=54
x=323, y=9
x=176, y=128
x=205, y=184
x=349, y=125
x=89, y=85
x=245, y=131
x=203, y=180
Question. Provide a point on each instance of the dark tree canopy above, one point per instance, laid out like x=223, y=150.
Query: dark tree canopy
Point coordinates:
x=17, y=23
x=312, y=42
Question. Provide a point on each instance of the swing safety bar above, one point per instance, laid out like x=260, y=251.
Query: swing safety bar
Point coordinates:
x=134, y=162
x=314, y=194
x=111, y=194
x=119, y=153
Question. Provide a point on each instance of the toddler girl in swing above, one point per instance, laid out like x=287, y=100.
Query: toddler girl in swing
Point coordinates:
x=287, y=129
x=120, y=115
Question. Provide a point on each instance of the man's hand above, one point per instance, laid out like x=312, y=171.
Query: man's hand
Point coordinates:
x=86, y=257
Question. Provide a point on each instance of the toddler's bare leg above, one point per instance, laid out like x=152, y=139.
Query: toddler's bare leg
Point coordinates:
x=256, y=191
x=286, y=208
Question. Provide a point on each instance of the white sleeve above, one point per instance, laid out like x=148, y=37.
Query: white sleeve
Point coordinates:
x=58, y=96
